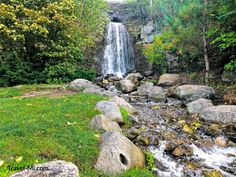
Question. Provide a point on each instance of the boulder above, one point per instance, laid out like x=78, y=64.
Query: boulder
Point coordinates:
x=124, y=104
x=169, y=79
x=222, y=114
x=101, y=122
x=118, y=153
x=126, y=86
x=145, y=89
x=189, y=93
x=196, y=107
x=221, y=141
x=148, y=73
x=93, y=90
x=157, y=94
x=134, y=77
x=50, y=169
x=81, y=84
x=110, y=109
x=228, y=76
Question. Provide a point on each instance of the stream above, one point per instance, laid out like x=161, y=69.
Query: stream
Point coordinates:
x=177, y=152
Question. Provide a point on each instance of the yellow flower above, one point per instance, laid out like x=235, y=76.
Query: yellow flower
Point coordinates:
x=1, y=163
x=19, y=159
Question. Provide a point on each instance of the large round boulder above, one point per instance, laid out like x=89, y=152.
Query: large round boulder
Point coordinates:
x=81, y=84
x=50, y=169
x=101, y=122
x=126, y=86
x=145, y=89
x=196, y=107
x=189, y=93
x=168, y=79
x=221, y=114
x=118, y=153
x=134, y=77
x=157, y=94
x=124, y=104
x=110, y=109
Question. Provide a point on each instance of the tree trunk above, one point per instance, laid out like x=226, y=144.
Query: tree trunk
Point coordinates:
x=205, y=43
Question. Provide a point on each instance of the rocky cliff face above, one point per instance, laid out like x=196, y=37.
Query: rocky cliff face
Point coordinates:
x=140, y=28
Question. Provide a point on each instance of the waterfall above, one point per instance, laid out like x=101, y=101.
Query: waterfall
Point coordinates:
x=118, y=54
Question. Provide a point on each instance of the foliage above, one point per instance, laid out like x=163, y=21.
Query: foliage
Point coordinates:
x=231, y=66
x=138, y=173
x=150, y=160
x=182, y=25
x=43, y=41
x=125, y=115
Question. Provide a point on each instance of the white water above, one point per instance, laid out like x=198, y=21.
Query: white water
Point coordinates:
x=172, y=168
x=215, y=157
x=118, y=54
x=212, y=158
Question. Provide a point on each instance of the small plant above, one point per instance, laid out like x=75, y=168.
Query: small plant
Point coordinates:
x=150, y=159
x=125, y=116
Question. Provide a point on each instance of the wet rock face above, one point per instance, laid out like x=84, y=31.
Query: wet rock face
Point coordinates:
x=111, y=110
x=189, y=93
x=51, y=169
x=196, y=107
x=222, y=114
x=117, y=154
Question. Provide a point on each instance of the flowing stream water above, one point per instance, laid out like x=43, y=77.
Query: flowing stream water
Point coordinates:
x=207, y=157
x=118, y=54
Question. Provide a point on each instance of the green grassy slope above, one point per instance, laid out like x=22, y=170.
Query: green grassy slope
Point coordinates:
x=40, y=129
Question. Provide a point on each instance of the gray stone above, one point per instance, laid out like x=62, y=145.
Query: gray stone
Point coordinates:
x=169, y=79
x=81, y=84
x=118, y=153
x=145, y=89
x=111, y=110
x=196, y=107
x=101, y=122
x=157, y=94
x=148, y=73
x=93, y=90
x=222, y=114
x=51, y=169
x=124, y=104
x=229, y=76
x=189, y=93
x=134, y=77
x=126, y=86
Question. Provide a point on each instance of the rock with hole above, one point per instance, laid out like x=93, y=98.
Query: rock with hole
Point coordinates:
x=118, y=154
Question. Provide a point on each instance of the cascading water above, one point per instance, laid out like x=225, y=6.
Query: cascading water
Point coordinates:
x=118, y=54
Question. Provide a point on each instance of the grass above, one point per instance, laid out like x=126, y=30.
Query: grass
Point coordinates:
x=39, y=129
x=125, y=115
